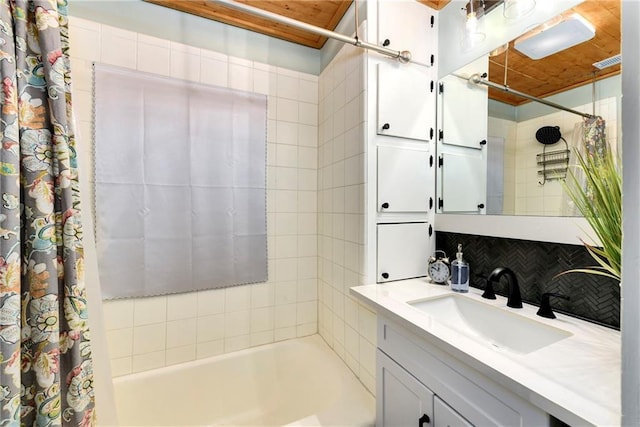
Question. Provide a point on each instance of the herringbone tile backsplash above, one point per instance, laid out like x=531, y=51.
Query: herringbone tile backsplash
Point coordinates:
x=536, y=265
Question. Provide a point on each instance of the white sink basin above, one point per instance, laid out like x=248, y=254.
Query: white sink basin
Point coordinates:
x=491, y=325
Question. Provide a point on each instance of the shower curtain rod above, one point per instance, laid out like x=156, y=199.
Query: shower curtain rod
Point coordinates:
x=402, y=56
x=480, y=79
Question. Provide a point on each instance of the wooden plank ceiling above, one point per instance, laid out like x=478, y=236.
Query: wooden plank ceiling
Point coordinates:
x=564, y=70
x=544, y=77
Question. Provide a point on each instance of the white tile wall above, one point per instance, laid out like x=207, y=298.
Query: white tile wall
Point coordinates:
x=345, y=324
x=145, y=333
x=531, y=198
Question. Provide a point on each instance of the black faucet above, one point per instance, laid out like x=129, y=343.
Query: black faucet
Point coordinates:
x=545, y=305
x=514, y=300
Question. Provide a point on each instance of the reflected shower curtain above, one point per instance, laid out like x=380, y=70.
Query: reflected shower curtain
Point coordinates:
x=45, y=355
x=588, y=138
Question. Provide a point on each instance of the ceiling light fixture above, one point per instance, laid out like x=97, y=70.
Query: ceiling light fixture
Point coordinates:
x=473, y=30
x=514, y=9
x=555, y=36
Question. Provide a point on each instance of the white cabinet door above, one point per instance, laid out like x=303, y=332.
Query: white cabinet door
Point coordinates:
x=403, y=250
x=406, y=105
x=464, y=107
x=445, y=416
x=404, y=181
x=464, y=181
x=416, y=35
x=402, y=401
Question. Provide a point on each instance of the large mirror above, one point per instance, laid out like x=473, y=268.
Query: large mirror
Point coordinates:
x=521, y=174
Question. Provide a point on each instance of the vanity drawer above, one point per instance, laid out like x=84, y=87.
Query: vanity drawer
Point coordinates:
x=474, y=396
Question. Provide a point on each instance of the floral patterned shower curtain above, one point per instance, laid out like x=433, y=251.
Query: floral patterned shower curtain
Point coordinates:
x=45, y=354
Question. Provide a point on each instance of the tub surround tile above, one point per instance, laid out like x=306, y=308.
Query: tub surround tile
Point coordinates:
x=175, y=328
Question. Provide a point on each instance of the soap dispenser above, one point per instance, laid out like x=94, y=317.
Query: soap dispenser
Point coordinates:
x=459, y=273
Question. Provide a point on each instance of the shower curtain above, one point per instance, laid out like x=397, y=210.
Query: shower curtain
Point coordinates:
x=588, y=138
x=45, y=354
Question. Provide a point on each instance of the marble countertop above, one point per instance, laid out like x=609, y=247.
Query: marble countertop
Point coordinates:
x=576, y=379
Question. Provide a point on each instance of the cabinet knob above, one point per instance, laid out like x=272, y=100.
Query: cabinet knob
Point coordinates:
x=385, y=205
x=385, y=275
x=424, y=419
x=481, y=206
x=385, y=126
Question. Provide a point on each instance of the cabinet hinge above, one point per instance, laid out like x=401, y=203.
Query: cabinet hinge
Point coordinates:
x=440, y=202
x=440, y=87
x=430, y=203
x=433, y=59
x=440, y=134
x=431, y=161
x=433, y=21
x=432, y=85
x=431, y=133
x=430, y=230
x=440, y=161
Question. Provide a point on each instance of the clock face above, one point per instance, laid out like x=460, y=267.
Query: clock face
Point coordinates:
x=439, y=271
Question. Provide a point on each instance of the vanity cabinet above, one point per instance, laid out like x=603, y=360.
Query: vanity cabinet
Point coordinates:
x=416, y=378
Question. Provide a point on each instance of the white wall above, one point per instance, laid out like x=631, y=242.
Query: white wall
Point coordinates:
x=348, y=326
x=145, y=333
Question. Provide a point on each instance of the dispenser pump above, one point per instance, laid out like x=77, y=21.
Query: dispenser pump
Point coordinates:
x=459, y=273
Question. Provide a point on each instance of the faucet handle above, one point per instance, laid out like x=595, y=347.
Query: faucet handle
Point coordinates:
x=545, y=305
x=489, y=293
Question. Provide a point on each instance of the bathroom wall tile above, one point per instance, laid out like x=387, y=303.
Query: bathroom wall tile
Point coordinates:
x=118, y=314
x=182, y=306
x=210, y=328
x=308, y=113
x=84, y=37
x=286, y=178
x=261, y=81
x=287, y=87
x=240, y=77
x=286, y=246
x=282, y=334
x=287, y=133
x=120, y=342
x=262, y=295
x=149, y=338
x=285, y=315
x=285, y=292
x=287, y=110
x=306, y=329
x=181, y=332
x=367, y=356
x=262, y=319
x=121, y=366
x=209, y=349
x=118, y=47
x=211, y=322
x=307, y=312
x=285, y=269
x=150, y=310
x=237, y=323
x=210, y=302
x=214, y=71
x=237, y=298
x=368, y=380
x=307, y=136
x=237, y=343
x=261, y=338
x=307, y=290
x=182, y=354
x=153, y=55
x=287, y=155
x=308, y=91
x=184, y=63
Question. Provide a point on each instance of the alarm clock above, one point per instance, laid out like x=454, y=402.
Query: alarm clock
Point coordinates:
x=439, y=268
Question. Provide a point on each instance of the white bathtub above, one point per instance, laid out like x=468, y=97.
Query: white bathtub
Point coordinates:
x=300, y=382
